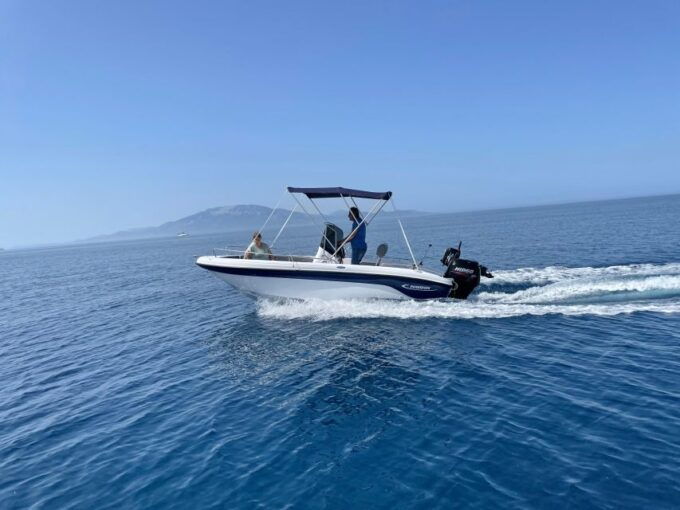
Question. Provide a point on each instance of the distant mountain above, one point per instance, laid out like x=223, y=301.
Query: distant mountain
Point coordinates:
x=213, y=220
x=227, y=219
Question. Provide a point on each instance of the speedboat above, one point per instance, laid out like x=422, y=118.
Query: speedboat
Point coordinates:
x=330, y=275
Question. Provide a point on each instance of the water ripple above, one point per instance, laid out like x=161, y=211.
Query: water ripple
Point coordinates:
x=131, y=380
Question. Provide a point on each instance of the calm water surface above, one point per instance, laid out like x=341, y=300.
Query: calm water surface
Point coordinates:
x=133, y=379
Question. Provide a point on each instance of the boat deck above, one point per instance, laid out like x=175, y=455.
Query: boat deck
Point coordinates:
x=310, y=259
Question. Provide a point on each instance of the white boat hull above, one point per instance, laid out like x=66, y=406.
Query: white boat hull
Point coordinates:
x=287, y=288
x=306, y=280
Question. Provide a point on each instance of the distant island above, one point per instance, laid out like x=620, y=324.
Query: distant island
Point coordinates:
x=226, y=219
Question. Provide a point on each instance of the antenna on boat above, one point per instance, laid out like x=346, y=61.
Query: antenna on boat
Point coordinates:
x=426, y=253
x=403, y=233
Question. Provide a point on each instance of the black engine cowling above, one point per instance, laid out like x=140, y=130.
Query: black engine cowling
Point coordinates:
x=466, y=274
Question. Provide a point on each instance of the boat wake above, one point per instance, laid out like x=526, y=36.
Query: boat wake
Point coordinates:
x=604, y=291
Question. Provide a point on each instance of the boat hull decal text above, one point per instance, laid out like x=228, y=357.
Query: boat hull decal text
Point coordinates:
x=410, y=286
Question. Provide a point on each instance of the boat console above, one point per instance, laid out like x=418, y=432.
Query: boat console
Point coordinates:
x=331, y=240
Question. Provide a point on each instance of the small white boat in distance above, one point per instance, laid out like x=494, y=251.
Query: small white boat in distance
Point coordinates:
x=329, y=275
x=182, y=234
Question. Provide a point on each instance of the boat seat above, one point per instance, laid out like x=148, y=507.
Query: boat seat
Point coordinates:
x=381, y=251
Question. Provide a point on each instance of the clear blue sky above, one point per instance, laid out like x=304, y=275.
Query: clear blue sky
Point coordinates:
x=127, y=113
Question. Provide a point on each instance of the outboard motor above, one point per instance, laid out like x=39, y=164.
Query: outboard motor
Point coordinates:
x=330, y=242
x=466, y=274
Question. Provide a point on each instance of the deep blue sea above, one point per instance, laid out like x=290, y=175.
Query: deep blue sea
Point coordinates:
x=130, y=378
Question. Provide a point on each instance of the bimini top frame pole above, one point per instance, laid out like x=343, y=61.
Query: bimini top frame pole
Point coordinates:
x=312, y=193
x=323, y=231
x=344, y=193
x=292, y=211
x=365, y=220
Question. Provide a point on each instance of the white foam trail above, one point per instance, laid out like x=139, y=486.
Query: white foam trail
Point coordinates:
x=330, y=310
x=636, y=288
x=605, y=291
x=552, y=274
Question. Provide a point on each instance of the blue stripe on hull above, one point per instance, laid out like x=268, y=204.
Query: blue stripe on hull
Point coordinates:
x=411, y=287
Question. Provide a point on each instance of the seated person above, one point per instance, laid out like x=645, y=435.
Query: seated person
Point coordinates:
x=357, y=239
x=258, y=249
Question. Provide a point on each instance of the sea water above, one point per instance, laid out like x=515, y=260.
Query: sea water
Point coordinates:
x=133, y=379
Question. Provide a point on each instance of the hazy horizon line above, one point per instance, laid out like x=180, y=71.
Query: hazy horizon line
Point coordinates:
x=457, y=211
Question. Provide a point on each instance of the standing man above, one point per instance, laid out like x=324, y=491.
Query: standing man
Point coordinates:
x=357, y=239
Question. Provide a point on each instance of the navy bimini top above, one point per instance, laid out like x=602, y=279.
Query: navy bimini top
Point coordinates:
x=358, y=242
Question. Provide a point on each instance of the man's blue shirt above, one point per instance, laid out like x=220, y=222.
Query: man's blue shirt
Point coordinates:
x=358, y=242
